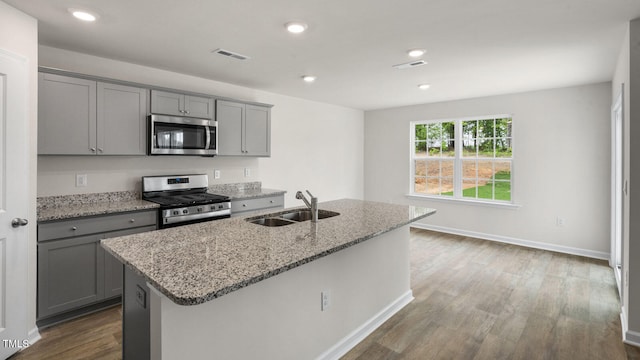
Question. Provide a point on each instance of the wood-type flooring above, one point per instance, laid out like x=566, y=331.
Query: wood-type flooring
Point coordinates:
x=474, y=299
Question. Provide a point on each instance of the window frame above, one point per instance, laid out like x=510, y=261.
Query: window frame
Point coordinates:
x=458, y=161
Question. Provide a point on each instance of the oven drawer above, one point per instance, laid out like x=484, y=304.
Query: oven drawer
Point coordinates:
x=98, y=224
x=243, y=206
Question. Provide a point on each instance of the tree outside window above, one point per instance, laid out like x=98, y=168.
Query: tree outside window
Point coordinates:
x=479, y=168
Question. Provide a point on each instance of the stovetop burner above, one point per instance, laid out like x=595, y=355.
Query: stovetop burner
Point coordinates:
x=184, y=199
x=189, y=199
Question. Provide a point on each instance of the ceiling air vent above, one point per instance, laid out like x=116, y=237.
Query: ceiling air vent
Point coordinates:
x=410, y=64
x=230, y=54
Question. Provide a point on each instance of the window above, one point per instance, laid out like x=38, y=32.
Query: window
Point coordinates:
x=469, y=159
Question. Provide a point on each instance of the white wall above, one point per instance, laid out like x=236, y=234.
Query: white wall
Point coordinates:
x=627, y=72
x=620, y=79
x=634, y=184
x=314, y=146
x=561, y=167
x=19, y=34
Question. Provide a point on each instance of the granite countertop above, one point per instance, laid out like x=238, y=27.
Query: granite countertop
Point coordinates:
x=234, y=194
x=63, y=207
x=73, y=206
x=196, y=263
x=104, y=208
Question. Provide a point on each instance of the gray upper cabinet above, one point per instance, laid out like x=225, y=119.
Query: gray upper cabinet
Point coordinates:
x=66, y=115
x=243, y=129
x=176, y=104
x=230, y=137
x=121, y=120
x=85, y=117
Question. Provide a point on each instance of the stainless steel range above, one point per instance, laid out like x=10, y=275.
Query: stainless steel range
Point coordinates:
x=184, y=199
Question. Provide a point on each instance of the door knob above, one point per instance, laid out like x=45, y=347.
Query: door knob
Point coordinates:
x=19, y=222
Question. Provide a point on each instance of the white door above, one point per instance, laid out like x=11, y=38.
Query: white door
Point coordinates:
x=617, y=188
x=14, y=175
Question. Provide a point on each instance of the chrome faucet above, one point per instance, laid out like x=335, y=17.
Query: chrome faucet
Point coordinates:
x=313, y=205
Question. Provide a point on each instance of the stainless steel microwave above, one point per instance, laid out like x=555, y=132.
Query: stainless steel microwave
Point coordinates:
x=171, y=135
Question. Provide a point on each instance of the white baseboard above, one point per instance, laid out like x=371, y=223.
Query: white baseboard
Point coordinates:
x=632, y=338
x=33, y=336
x=350, y=341
x=628, y=336
x=509, y=240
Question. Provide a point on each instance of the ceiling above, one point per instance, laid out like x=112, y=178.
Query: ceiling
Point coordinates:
x=474, y=47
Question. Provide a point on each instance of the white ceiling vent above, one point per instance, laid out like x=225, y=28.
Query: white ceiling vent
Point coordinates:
x=230, y=54
x=410, y=64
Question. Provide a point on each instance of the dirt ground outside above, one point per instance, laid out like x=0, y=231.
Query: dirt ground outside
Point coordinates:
x=428, y=172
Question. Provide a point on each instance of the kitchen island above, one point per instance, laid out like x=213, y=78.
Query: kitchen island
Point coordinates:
x=231, y=289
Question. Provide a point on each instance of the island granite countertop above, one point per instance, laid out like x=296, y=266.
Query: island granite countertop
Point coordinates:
x=196, y=263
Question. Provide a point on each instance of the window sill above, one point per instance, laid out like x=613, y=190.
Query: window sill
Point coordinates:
x=465, y=201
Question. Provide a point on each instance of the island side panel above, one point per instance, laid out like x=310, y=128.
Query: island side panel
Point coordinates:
x=281, y=317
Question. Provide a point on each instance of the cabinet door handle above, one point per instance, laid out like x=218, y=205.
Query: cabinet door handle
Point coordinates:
x=244, y=205
x=132, y=220
x=271, y=201
x=74, y=228
x=186, y=112
x=93, y=149
x=100, y=150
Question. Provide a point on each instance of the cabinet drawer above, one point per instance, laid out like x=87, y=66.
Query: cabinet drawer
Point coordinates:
x=241, y=206
x=98, y=224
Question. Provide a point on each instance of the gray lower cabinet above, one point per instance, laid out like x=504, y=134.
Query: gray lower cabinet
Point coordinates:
x=74, y=271
x=85, y=117
x=70, y=274
x=112, y=266
x=176, y=104
x=246, y=207
x=243, y=129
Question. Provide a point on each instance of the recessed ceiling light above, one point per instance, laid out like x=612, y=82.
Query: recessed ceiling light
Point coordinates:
x=295, y=27
x=424, y=86
x=83, y=15
x=309, y=78
x=414, y=53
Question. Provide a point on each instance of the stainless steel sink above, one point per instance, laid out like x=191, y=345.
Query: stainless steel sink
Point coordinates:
x=289, y=217
x=304, y=215
x=271, y=222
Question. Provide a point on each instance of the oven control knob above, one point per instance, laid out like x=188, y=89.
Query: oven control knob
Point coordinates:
x=185, y=211
x=175, y=212
x=199, y=209
x=220, y=206
x=213, y=207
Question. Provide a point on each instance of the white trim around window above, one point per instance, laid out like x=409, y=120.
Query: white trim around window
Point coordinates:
x=468, y=160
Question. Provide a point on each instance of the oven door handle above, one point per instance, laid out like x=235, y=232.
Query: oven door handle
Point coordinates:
x=208, y=141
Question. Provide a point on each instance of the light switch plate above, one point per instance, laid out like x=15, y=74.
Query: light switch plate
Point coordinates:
x=81, y=180
x=247, y=172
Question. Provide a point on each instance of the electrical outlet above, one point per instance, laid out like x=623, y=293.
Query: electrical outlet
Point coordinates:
x=216, y=174
x=141, y=297
x=325, y=300
x=559, y=221
x=247, y=172
x=81, y=180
